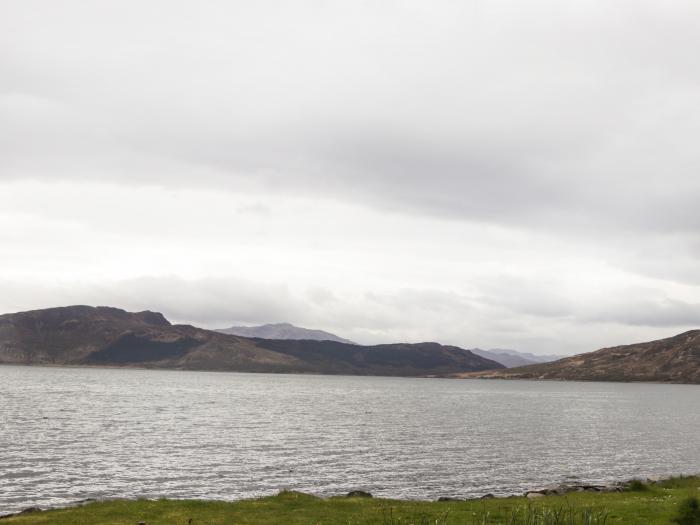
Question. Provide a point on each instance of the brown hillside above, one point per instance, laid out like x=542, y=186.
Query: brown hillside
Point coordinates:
x=673, y=360
x=104, y=336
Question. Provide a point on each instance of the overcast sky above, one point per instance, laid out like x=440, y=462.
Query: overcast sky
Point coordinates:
x=505, y=173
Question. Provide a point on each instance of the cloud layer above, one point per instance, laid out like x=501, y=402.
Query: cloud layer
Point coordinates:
x=495, y=173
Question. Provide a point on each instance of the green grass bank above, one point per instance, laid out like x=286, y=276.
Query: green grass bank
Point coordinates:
x=650, y=504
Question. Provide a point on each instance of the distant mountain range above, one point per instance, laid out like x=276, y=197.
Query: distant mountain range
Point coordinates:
x=674, y=360
x=283, y=331
x=104, y=336
x=513, y=358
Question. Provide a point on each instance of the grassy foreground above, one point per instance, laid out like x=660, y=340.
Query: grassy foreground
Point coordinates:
x=657, y=503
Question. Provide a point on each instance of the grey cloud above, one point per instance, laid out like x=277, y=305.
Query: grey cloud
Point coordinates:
x=574, y=121
x=663, y=312
x=538, y=123
x=540, y=297
x=549, y=298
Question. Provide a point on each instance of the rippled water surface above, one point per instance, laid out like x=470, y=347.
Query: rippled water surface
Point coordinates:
x=68, y=434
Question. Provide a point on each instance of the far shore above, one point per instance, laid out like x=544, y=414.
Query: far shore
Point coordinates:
x=466, y=375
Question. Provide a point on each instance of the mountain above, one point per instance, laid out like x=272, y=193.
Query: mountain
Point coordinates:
x=104, y=336
x=283, y=331
x=536, y=358
x=513, y=358
x=673, y=360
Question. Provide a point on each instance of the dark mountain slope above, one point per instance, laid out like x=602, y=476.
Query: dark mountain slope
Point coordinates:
x=104, y=336
x=674, y=360
x=387, y=359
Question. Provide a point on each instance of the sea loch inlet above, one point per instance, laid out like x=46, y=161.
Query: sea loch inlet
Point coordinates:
x=75, y=433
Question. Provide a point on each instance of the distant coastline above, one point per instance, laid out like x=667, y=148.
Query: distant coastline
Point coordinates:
x=456, y=377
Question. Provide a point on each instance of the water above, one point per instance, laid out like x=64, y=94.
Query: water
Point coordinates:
x=68, y=434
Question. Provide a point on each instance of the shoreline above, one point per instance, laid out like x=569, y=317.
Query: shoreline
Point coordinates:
x=454, y=376
x=560, y=489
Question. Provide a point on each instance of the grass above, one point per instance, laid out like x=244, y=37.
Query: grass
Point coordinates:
x=637, y=485
x=688, y=512
x=658, y=503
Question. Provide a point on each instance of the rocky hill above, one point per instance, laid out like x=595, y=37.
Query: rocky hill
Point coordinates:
x=673, y=360
x=104, y=336
x=283, y=331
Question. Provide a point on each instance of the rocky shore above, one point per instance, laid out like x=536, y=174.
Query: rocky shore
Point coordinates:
x=567, y=488
x=550, y=490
